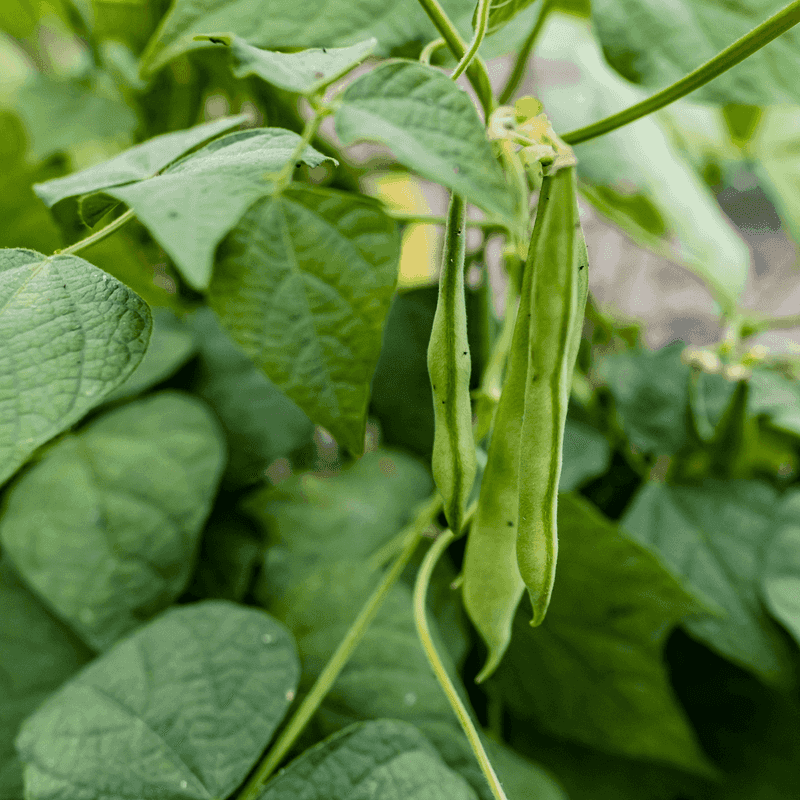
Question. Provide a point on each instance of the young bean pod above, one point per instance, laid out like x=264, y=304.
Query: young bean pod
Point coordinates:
x=559, y=270
x=449, y=366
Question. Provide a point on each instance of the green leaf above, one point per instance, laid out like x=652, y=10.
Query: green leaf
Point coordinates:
x=313, y=520
x=593, y=672
x=261, y=423
x=181, y=709
x=394, y=23
x=716, y=537
x=105, y=527
x=431, y=126
x=778, y=156
x=699, y=234
x=586, y=454
x=39, y=653
x=501, y=12
x=303, y=284
x=62, y=114
x=71, y=333
x=305, y=72
x=777, y=398
x=137, y=163
x=194, y=202
x=383, y=760
x=656, y=44
x=781, y=579
x=171, y=346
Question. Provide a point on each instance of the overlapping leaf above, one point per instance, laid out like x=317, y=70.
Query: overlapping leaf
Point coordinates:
x=71, y=334
x=638, y=159
x=781, y=580
x=261, y=423
x=593, y=671
x=303, y=284
x=305, y=72
x=180, y=709
x=383, y=760
x=431, y=126
x=105, y=526
x=586, y=454
x=656, y=44
x=39, y=653
x=716, y=537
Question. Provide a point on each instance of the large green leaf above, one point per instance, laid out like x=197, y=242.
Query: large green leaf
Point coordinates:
x=137, y=163
x=593, y=671
x=180, y=709
x=586, y=454
x=303, y=284
x=639, y=159
x=261, y=423
x=305, y=72
x=778, y=398
x=777, y=154
x=656, y=43
x=105, y=527
x=192, y=204
x=289, y=24
x=781, y=579
x=431, y=126
x=71, y=333
x=716, y=537
x=383, y=760
x=39, y=653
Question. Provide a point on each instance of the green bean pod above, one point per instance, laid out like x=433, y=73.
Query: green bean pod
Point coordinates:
x=449, y=366
x=492, y=585
x=558, y=263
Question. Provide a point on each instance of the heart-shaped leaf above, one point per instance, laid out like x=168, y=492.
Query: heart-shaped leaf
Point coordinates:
x=70, y=334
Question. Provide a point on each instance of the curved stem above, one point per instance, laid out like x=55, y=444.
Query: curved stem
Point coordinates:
x=429, y=49
x=482, y=20
x=476, y=72
x=97, y=235
x=517, y=73
x=421, y=620
x=742, y=48
x=340, y=657
x=284, y=177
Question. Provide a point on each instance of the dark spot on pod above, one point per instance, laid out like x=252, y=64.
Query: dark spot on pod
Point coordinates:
x=581, y=267
x=215, y=41
x=65, y=285
x=324, y=50
x=510, y=524
x=319, y=75
x=172, y=214
x=299, y=164
x=464, y=353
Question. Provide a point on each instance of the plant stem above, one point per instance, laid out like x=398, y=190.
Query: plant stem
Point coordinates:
x=517, y=73
x=97, y=235
x=341, y=655
x=284, y=177
x=742, y=48
x=409, y=217
x=429, y=49
x=476, y=72
x=421, y=619
x=482, y=19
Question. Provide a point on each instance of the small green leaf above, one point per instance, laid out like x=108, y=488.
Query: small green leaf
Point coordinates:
x=305, y=72
x=39, y=654
x=137, y=163
x=431, y=126
x=383, y=760
x=716, y=537
x=593, y=671
x=261, y=423
x=71, y=333
x=303, y=284
x=194, y=202
x=105, y=527
x=781, y=580
x=181, y=709
x=501, y=12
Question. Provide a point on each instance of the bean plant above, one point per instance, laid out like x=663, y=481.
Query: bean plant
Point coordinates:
x=287, y=514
